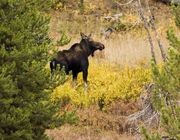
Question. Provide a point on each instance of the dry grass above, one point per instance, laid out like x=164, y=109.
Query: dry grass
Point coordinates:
x=113, y=119
x=129, y=50
x=125, y=48
x=85, y=133
x=97, y=125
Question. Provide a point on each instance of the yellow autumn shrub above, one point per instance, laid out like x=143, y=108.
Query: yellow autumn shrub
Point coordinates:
x=106, y=82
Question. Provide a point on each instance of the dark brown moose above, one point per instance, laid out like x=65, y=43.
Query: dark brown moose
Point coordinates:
x=76, y=58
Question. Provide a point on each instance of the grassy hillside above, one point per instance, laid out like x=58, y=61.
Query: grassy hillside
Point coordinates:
x=117, y=75
x=128, y=44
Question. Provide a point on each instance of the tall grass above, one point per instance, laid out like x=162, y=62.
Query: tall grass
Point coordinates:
x=130, y=50
x=126, y=48
x=106, y=83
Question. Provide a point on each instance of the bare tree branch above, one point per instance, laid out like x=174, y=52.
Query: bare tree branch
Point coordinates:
x=122, y=4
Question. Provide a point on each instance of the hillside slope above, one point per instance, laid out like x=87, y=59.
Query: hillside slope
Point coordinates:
x=126, y=46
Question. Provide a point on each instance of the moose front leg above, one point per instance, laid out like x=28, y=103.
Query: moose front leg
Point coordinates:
x=85, y=74
x=75, y=74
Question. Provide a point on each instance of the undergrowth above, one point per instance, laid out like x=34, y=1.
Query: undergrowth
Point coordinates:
x=106, y=84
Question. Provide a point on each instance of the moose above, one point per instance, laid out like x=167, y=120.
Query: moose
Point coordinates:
x=75, y=59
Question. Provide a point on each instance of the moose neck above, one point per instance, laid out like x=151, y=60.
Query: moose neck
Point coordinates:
x=86, y=47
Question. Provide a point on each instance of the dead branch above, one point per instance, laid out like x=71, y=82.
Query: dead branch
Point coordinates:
x=148, y=115
x=122, y=4
x=113, y=17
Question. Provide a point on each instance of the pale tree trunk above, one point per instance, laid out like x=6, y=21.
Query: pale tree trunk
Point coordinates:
x=152, y=18
x=141, y=13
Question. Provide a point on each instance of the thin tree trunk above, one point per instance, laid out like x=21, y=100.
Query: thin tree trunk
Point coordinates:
x=147, y=30
x=163, y=54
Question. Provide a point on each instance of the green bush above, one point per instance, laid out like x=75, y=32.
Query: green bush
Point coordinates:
x=106, y=84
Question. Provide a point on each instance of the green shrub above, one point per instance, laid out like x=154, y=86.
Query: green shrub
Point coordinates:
x=105, y=85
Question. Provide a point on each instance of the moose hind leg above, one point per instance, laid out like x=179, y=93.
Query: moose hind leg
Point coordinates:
x=53, y=66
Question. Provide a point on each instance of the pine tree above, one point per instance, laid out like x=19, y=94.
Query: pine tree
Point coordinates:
x=25, y=85
x=167, y=87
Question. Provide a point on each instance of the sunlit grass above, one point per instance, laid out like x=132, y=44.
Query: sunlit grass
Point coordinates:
x=107, y=83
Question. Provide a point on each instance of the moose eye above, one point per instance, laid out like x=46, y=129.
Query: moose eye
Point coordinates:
x=90, y=39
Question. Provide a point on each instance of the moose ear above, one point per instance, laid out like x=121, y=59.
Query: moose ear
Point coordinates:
x=89, y=35
x=83, y=36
